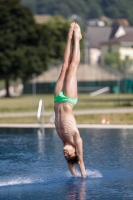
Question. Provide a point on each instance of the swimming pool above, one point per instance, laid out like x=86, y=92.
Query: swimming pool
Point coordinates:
x=32, y=166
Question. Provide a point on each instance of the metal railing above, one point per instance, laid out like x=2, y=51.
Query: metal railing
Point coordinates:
x=40, y=115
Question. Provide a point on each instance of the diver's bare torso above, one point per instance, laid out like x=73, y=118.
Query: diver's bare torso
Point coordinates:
x=65, y=122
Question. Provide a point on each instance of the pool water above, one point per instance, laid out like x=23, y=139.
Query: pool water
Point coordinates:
x=32, y=166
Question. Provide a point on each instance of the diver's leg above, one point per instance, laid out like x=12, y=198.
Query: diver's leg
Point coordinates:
x=70, y=87
x=67, y=59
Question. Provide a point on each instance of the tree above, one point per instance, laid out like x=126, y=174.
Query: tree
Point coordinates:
x=84, y=8
x=112, y=12
x=18, y=42
x=113, y=59
x=123, y=66
x=95, y=11
x=27, y=47
x=57, y=29
x=31, y=4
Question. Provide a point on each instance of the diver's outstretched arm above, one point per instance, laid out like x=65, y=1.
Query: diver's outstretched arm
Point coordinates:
x=72, y=169
x=79, y=152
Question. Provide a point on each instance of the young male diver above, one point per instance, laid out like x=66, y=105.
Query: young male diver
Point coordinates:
x=65, y=98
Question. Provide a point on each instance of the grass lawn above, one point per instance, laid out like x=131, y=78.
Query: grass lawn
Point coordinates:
x=28, y=103
x=117, y=118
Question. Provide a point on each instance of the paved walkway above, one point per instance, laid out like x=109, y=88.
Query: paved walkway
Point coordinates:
x=88, y=126
x=76, y=112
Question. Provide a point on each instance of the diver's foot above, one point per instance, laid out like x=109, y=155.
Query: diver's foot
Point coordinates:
x=77, y=32
x=71, y=29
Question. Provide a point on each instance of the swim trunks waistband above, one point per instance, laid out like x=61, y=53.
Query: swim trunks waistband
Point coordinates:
x=63, y=98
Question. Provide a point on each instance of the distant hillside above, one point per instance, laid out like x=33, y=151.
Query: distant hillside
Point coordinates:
x=87, y=9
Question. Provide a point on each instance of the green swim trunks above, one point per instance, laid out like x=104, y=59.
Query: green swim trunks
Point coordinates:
x=63, y=98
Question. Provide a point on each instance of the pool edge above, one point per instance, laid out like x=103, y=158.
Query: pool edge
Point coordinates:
x=95, y=126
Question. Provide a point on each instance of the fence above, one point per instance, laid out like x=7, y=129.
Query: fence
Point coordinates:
x=123, y=86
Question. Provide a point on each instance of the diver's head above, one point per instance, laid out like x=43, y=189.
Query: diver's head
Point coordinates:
x=70, y=153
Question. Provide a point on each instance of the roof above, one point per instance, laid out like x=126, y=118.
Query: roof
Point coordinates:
x=128, y=28
x=122, y=20
x=114, y=30
x=96, y=35
x=125, y=38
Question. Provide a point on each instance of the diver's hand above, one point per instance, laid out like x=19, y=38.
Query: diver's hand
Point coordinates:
x=81, y=175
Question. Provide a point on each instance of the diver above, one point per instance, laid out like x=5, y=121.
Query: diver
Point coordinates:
x=65, y=98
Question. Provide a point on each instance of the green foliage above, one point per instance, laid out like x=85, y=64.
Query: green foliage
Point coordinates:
x=95, y=10
x=118, y=9
x=84, y=8
x=113, y=60
x=57, y=29
x=27, y=47
x=64, y=7
x=18, y=37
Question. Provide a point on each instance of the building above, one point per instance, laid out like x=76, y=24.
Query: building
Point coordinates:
x=96, y=35
x=123, y=45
